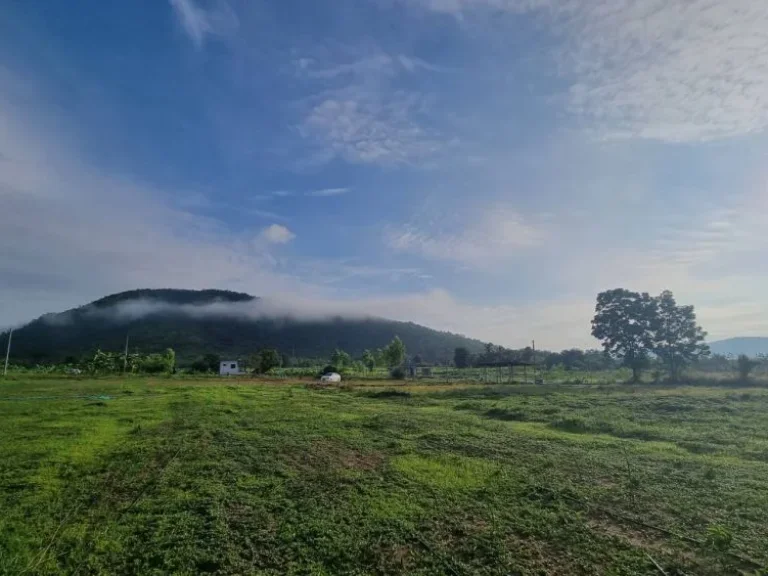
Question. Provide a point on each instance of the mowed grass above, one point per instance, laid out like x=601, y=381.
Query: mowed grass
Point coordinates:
x=160, y=476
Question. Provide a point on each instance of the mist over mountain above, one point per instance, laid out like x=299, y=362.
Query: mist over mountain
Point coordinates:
x=231, y=324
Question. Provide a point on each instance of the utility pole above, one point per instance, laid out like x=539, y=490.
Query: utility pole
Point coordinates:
x=8, y=352
x=533, y=347
x=125, y=356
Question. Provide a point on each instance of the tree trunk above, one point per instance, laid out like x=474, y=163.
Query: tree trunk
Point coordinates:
x=635, y=374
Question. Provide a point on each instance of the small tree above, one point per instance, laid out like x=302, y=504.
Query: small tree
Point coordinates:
x=170, y=361
x=266, y=359
x=624, y=321
x=572, y=359
x=340, y=359
x=461, y=357
x=369, y=360
x=154, y=363
x=745, y=365
x=677, y=339
x=357, y=367
x=394, y=354
x=212, y=362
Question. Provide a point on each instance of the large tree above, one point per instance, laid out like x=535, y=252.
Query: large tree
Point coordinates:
x=624, y=322
x=677, y=339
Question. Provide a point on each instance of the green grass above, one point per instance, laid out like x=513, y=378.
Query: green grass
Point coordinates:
x=164, y=476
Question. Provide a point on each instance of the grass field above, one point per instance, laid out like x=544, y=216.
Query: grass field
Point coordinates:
x=159, y=476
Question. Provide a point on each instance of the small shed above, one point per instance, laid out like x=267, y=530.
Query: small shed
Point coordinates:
x=229, y=367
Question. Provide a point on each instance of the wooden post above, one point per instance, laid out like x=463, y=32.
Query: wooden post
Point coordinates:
x=8, y=352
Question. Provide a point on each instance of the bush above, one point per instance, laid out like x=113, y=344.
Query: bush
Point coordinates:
x=745, y=365
x=397, y=373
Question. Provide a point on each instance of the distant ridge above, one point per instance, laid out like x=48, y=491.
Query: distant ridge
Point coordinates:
x=197, y=322
x=749, y=345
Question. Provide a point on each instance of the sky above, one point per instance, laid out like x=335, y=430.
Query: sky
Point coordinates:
x=479, y=166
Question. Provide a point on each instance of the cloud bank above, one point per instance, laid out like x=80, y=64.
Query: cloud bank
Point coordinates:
x=670, y=70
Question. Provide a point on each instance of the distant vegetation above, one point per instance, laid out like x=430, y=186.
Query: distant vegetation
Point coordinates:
x=639, y=333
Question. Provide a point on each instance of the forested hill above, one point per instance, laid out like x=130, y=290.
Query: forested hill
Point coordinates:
x=195, y=322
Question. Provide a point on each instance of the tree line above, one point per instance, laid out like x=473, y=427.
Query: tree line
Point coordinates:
x=391, y=356
x=132, y=363
x=571, y=359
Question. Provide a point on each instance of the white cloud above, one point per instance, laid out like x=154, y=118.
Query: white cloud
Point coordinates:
x=277, y=234
x=483, y=240
x=199, y=23
x=325, y=192
x=672, y=70
x=553, y=324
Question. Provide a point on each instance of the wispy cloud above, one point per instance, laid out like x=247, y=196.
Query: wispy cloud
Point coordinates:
x=325, y=192
x=362, y=116
x=375, y=63
x=199, y=23
x=491, y=237
x=671, y=70
x=378, y=63
x=366, y=127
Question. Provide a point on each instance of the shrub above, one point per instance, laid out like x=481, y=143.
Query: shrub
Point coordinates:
x=745, y=365
x=397, y=373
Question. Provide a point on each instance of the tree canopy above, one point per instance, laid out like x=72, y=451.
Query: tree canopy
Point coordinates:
x=678, y=340
x=634, y=326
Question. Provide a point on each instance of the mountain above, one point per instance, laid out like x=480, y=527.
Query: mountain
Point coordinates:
x=231, y=324
x=751, y=346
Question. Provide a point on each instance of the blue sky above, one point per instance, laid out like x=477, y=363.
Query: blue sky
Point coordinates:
x=480, y=166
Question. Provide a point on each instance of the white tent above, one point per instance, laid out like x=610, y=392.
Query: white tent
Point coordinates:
x=330, y=377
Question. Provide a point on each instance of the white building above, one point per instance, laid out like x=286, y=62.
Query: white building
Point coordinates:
x=228, y=367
